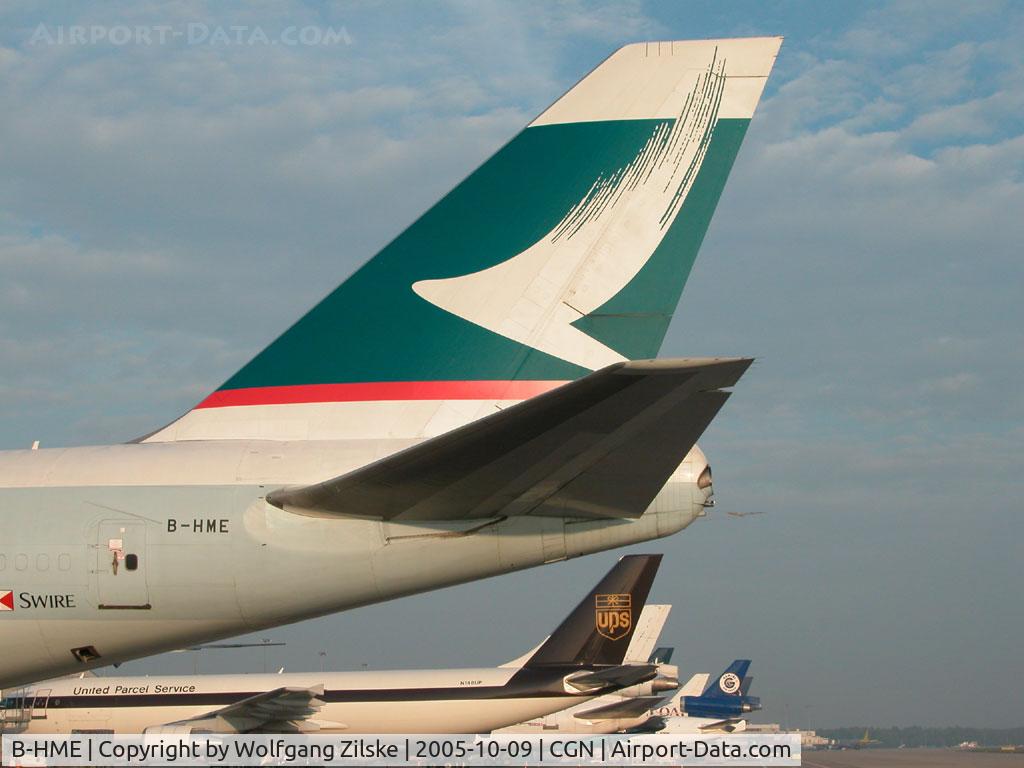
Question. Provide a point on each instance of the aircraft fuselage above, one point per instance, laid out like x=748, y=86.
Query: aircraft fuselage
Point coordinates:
x=403, y=701
x=118, y=552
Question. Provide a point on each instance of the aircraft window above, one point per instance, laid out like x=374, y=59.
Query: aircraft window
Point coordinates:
x=21, y=562
x=42, y=562
x=64, y=562
x=131, y=562
x=704, y=481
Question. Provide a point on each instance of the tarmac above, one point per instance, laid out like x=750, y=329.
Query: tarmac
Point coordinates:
x=910, y=758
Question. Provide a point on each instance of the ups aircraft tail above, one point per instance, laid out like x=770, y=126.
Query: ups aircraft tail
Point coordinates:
x=564, y=253
x=599, y=630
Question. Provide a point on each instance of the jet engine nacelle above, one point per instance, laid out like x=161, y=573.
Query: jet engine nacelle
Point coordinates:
x=667, y=680
x=700, y=706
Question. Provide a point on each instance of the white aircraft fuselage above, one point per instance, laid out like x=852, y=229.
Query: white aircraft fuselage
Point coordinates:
x=117, y=552
x=402, y=701
x=584, y=658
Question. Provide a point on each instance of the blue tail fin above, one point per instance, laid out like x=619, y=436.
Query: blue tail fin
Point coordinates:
x=729, y=683
x=726, y=697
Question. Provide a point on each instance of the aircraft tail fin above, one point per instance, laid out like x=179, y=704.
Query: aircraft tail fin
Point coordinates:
x=565, y=252
x=599, y=630
x=729, y=683
x=726, y=696
x=694, y=686
x=661, y=655
x=645, y=636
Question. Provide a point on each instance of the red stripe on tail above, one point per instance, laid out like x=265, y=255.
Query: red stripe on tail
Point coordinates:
x=379, y=390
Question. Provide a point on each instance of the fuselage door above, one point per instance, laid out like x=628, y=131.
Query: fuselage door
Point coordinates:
x=121, y=565
x=39, y=702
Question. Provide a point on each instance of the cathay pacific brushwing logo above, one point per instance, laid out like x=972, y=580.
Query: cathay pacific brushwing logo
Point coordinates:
x=599, y=245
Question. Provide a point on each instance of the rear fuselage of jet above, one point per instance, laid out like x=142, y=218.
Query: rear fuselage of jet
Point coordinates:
x=404, y=701
x=594, y=716
x=118, y=552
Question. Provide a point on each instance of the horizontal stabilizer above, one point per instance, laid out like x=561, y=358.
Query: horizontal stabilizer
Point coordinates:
x=727, y=726
x=600, y=447
x=613, y=677
x=625, y=708
x=282, y=709
x=659, y=724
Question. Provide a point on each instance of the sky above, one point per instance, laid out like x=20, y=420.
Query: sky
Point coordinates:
x=167, y=208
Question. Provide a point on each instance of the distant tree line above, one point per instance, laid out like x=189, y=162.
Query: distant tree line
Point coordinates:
x=918, y=736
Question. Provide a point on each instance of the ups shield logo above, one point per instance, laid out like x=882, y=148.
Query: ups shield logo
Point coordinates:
x=613, y=615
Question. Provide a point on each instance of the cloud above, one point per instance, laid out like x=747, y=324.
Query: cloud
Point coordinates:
x=866, y=250
x=167, y=189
